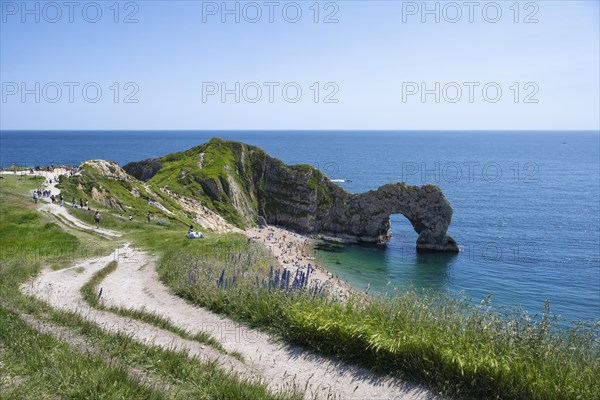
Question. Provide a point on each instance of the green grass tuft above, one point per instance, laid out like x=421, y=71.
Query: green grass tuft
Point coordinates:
x=89, y=292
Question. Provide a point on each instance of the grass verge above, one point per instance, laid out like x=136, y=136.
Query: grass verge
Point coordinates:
x=448, y=343
x=35, y=364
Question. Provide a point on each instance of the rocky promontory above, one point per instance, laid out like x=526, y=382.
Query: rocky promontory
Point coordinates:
x=248, y=187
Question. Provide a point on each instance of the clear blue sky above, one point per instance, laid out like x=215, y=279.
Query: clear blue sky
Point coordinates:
x=373, y=61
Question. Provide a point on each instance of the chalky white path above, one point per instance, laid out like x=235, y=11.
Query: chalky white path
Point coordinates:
x=135, y=285
x=45, y=205
x=56, y=209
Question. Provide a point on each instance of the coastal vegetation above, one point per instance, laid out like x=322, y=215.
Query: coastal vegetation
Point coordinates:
x=448, y=343
x=71, y=357
x=207, y=173
x=460, y=349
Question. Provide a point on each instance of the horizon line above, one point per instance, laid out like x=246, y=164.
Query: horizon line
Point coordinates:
x=300, y=130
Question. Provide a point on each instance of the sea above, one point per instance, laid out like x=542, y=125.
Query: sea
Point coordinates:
x=526, y=204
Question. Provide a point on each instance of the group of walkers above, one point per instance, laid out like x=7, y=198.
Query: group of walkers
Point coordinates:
x=81, y=203
x=47, y=193
x=37, y=193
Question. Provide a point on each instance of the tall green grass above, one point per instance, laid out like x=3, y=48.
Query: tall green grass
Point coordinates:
x=38, y=366
x=445, y=342
x=35, y=365
x=29, y=240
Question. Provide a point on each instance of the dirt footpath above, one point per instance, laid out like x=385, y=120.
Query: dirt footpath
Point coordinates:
x=135, y=285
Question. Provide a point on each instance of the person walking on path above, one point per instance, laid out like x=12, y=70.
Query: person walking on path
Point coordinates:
x=80, y=203
x=35, y=197
x=97, y=218
x=148, y=216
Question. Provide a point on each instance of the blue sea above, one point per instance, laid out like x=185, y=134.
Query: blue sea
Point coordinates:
x=526, y=204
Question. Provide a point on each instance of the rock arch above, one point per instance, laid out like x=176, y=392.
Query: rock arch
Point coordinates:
x=365, y=217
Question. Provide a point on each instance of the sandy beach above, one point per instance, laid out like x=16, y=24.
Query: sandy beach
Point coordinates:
x=292, y=251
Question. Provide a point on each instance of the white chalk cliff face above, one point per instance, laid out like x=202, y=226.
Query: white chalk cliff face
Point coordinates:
x=262, y=189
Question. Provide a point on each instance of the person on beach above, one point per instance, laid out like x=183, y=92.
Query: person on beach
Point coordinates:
x=97, y=218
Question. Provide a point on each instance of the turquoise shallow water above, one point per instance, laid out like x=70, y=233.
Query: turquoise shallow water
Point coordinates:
x=526, y=204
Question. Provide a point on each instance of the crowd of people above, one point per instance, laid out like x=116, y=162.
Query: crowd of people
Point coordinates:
x=292, y=251
x=37, y=193
x=82, y=204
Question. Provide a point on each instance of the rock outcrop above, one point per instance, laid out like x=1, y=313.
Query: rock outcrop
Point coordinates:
x=247, y=186
x=109, y=169
x=144, y=170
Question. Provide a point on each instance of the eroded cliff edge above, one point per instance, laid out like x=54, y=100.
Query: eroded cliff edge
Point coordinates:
x=248, y=187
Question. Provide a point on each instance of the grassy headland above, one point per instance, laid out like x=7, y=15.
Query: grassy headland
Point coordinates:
x=37, y=365
x=458, y=348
